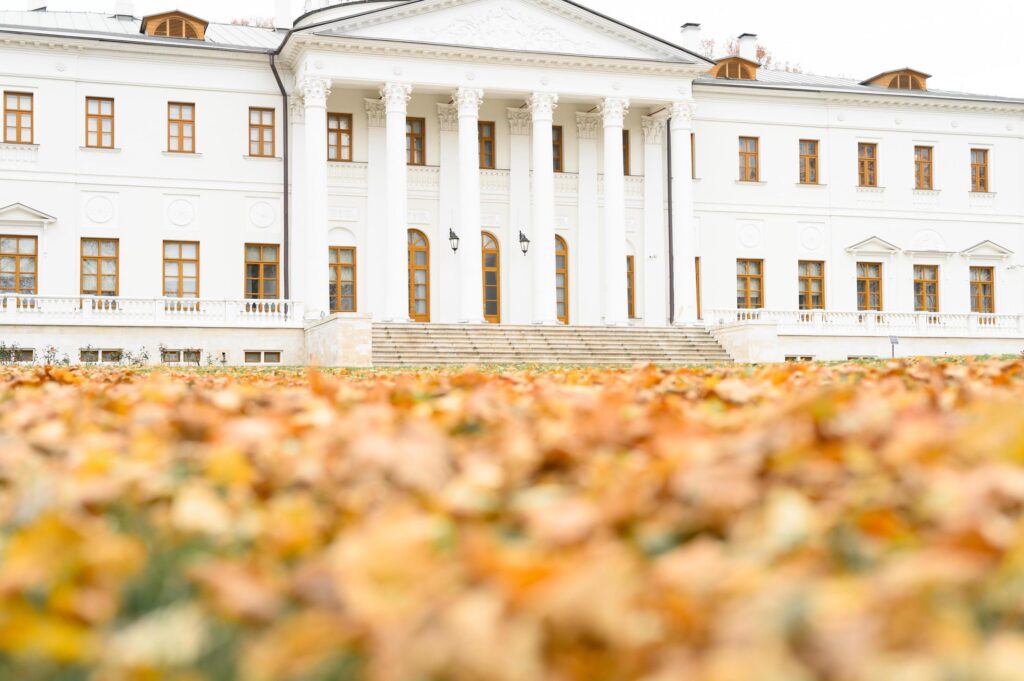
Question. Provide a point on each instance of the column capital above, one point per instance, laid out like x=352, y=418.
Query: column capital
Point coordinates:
x=297, y=108
x=315, y=90
x=448, y=115
x=375, y=114
x=468, y=101
x=587, y=124
x=682, y=113
x=654, y=127
x=519, y=121
x=614, y=110
x=543, y=105
x=396, y=96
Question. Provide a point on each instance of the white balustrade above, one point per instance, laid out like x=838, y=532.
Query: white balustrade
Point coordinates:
x=868, y=323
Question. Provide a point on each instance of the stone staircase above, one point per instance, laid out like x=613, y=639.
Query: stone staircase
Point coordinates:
x=455, y=344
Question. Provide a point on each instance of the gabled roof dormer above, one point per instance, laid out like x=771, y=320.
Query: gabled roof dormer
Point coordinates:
x=901, y=79
x=735, y=68
x=174, y=25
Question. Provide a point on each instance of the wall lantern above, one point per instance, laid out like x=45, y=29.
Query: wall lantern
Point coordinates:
x=453, y=239
x=524, y=243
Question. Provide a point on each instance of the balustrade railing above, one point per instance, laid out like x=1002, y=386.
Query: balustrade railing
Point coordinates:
x=869, y=323
x=110, y=311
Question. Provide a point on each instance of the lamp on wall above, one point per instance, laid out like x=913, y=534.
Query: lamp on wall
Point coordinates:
x=453, y=239
x=524, y=243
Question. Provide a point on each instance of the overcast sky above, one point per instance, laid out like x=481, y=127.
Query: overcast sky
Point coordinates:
x=970, y=46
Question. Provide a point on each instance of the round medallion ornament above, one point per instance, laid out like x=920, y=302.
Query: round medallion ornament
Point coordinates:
x=750, y=236
x=262, y=215
x=812, y=238
x=99, y=209
x=181, y=213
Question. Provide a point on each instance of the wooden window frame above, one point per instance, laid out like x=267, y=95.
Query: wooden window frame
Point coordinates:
x=180, y=263
x=558, y=149
x=267, y=133
x=978, y=299
x=747, y=278
x=336, y=267
x=19, y=136
x=99, y=118
x=631, y=286
x=867, y=166
x=805, y=284
x=162, y=25
x=260, y=295
x=410, y=138
x=865, y=304
x=810, y=163
x=18, y=258
x=700, y=309
x=921, y=298
x=99, y=258
x=693, y=156
x=980, y=171
x=339, y=147
x=625, y=153
x=496, y=251
x=182, y=122
x=482, y=140
x=924, y=163
x=561, y=243
x=425, y=316
x=750, y=160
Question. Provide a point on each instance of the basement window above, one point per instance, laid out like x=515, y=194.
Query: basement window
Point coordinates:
x=262, y=356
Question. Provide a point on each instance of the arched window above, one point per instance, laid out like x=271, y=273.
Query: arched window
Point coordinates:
x=419, y=276
x=175, y=25
x=562, y=279
x=902, y=79
x=492, y=278
x=735, y=68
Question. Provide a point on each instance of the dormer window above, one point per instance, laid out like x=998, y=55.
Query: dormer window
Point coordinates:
x=903, y=79
x=175, y=25
x=735, y=68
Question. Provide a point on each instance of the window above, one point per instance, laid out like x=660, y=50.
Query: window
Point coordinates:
x=261, y=268
x=419, y=276
x=262, y=356
x=90, y=356
x=812, y=285
x=21, y=355
x=19, y=113
x=339, y=137
x=749, y=284
x=492, y=278
x=175, y=25
x=979, y=170
x=415, y=141
x=486, y=135
x=181, y=128
x=693, y=156
x=867, y=164
x=342, y=277
x=903, y=79
x=749, y=171
x=181, y=356
x=556, y=147
x=631, y=286
x=735, y=68
x=18, y=265
x=926, y=288
x=100, y=267
x=99, y=123
x=181, y=269
x=625, y=153
x=983, y=295
x=808, y=161
x=922, y=167
x=261, y=133
x=869, y=286
x=696, y=272
x=562, y=279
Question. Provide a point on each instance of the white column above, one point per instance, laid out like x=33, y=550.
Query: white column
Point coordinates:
x=373, y=267
x=542, y=248
x=683, y=237
x=471, y=295
x=396, y=298
x=315, y=91
x=654, y=264
x=616, y=308
x=297, y=206
x=588, y=247
x=516, y=270
x=446, y=280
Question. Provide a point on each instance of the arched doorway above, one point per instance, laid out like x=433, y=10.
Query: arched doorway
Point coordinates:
x=419, y=276
x=562, y=279
x=492, y=278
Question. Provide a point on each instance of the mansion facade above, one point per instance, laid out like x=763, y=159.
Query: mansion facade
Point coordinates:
x=266, y=195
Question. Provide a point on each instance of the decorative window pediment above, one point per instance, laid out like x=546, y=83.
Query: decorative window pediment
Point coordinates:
x=18, y=214
x=987, y=250
x=735, y=68
x=175, y=25
x=873, y=246
x=901, y=79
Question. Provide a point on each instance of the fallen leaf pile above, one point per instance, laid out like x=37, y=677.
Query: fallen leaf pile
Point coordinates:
x=856, y=522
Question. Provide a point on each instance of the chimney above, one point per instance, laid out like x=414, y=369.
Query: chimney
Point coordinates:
x=124, y=8
x=284, y=18
x=691, y=37
x=748, y=46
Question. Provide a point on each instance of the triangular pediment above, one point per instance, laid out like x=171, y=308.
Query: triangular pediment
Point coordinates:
x=987, y=249
x=20, y=214
x=874, y=245
x=548, y=26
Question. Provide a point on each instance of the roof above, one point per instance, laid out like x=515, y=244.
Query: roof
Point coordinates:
x=102, y=26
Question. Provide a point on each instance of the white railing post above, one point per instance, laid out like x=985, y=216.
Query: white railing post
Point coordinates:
x=922, y=321
x=973, y=324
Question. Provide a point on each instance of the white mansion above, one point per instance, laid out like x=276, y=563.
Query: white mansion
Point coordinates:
x=262, y=195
